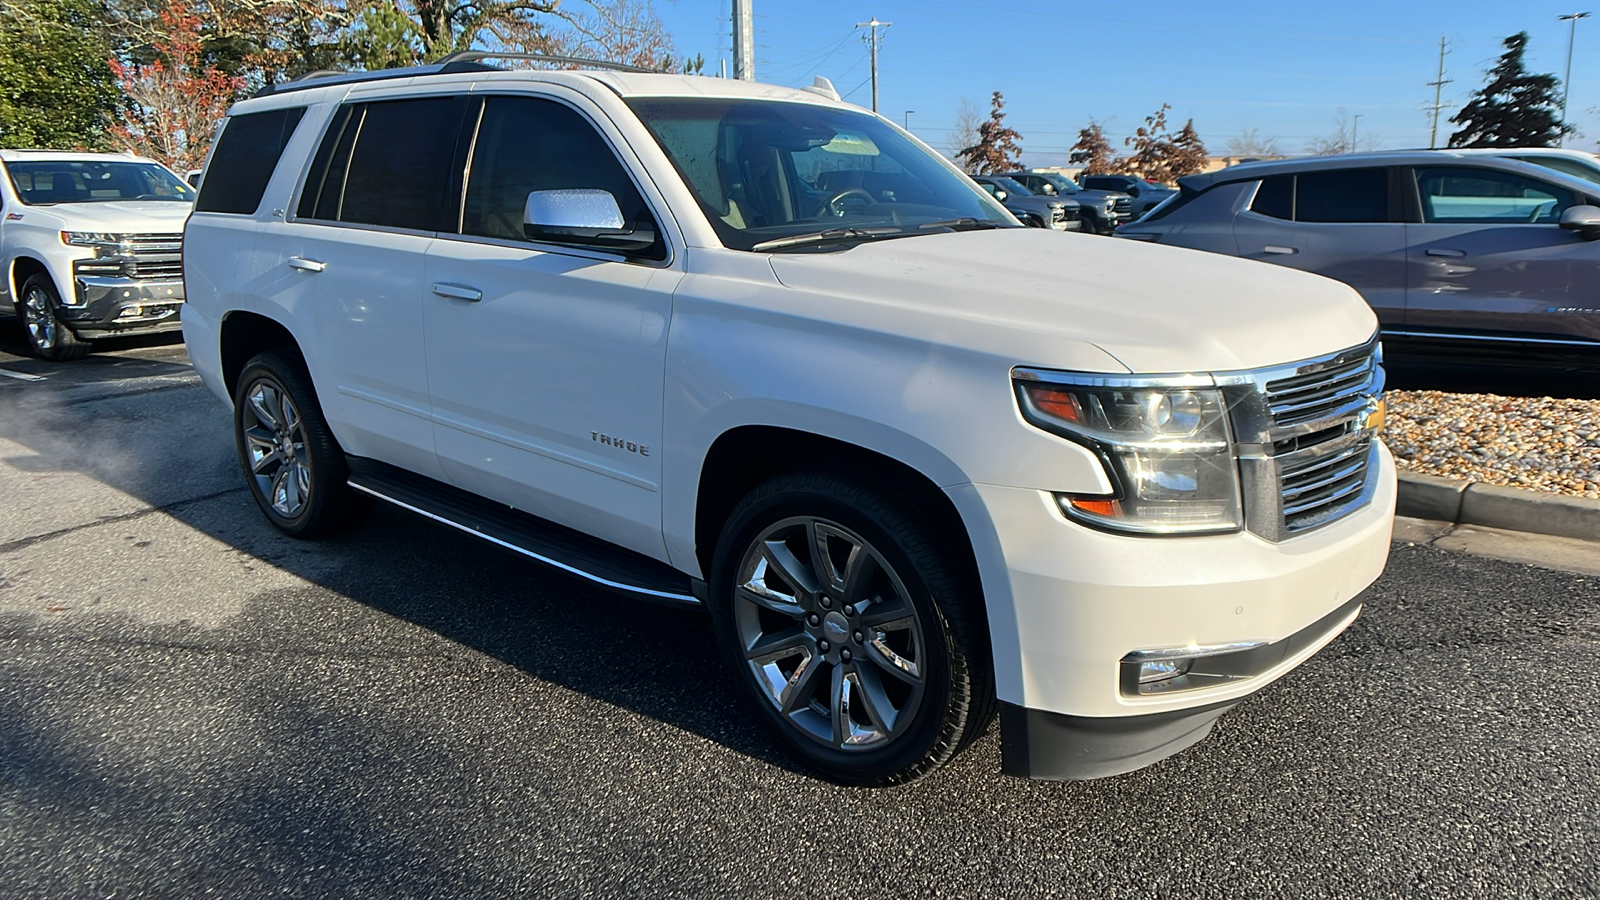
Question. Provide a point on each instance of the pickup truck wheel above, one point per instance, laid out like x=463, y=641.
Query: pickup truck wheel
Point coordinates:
x=845, y=626
x=296, y=470
x=47, y=337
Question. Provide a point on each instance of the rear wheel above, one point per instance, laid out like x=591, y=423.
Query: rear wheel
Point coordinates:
x=295, y=469
x=47, y=337
x=850, y=630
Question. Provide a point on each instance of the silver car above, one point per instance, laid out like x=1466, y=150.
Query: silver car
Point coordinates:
x=1443, y=245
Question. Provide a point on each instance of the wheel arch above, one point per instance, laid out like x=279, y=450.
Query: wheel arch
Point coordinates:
x=246, y=334
x=23, y=268
x=745, y=456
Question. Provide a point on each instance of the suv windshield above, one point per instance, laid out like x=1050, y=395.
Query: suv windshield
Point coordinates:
x=764, y=170
x=91, y=181
x=1062, y=183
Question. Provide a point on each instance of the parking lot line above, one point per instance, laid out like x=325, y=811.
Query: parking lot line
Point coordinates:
x=21, y=376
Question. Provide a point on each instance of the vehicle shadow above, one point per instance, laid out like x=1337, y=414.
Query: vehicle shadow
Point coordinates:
x=656, y=661
x=102, y=363
x=1572, y=376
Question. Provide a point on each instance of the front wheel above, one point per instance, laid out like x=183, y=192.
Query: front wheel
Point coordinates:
x=850, y=629
x=295, y=469
x=47, y=337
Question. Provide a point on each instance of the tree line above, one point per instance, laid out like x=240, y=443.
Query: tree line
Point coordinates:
x=155, y=77
x=1514, y=108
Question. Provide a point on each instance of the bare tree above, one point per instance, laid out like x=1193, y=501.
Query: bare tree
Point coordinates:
x=1250, y=142
x=1093, y=151
x=965, y=132
x=1344, y=138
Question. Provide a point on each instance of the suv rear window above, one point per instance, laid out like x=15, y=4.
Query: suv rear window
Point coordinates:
x=243, y=161
x=387, y=163
x=1339, y=195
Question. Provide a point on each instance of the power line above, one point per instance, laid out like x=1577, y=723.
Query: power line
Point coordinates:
x=873, y=43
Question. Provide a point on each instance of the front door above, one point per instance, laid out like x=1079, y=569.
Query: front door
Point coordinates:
x=545, y=363
x=1489, y=258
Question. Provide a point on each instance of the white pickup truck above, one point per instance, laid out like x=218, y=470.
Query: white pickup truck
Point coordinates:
x=755, y=350
x=91, y=246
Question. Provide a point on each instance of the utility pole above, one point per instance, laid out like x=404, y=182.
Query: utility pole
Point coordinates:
x=1355, y=123
x=1436, y=84
x=1566, y=82
x=744, y=41
x=872, y=42
x=905, y=120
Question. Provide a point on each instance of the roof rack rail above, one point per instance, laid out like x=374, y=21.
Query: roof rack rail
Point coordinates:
x=472, y=56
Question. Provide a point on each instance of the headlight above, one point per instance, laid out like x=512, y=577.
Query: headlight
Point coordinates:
x=91, y=238
x=1111, y=203
x=1166, y=448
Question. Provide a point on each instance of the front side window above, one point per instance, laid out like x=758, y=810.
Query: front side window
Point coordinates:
x=525, y=144
x=1485, y=196
x=768, y=170
x=46, y=183
x=387, y=163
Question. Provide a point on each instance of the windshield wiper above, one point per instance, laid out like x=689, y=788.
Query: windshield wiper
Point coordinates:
x=830, y=236
x=964, y=223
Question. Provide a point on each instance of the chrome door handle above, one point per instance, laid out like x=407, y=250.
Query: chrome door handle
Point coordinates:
x=457, y=291
x=1436, y=251
x=1282, y=251
x=306, y=265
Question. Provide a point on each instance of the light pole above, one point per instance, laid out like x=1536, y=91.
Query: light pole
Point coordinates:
x=1355, y=125
x=1566, y=81
x=905, y=120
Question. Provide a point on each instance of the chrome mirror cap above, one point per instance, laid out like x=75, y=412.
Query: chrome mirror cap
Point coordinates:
x=576, y=208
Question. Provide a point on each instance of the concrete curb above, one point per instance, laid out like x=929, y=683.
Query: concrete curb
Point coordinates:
x=1492, y=506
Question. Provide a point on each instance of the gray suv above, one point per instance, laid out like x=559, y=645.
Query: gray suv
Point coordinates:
x=1147, y=195
x=1444, y=246
x=1031, y=209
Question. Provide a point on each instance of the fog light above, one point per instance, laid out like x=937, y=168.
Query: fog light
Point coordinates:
x=1159, y=670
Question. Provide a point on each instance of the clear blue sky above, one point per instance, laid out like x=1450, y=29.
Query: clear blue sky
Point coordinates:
x=1283, y=68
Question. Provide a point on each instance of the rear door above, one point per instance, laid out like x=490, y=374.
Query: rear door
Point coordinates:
x=1343, y=223
x=1489, y=258
x=351, y=261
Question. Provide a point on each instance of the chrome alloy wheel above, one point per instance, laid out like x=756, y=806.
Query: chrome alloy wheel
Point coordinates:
x=276, y=444
x=39, y=319
x=830, y=634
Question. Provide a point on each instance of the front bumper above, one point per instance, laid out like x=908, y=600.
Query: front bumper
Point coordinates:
x=102, y=306
x=1070, y=604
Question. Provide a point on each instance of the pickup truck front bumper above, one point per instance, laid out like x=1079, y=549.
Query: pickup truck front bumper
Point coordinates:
x=102, y=306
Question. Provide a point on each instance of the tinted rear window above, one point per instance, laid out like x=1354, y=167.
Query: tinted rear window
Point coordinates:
x=245, y=157
x=1275, y=197
x=388, y=164
x=1342, y=195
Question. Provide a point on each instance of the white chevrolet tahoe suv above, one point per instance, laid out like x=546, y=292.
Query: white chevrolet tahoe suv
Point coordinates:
x=752, y=349
x=91, y=246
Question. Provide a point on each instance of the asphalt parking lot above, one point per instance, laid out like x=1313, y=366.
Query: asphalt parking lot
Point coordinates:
x=191, y=704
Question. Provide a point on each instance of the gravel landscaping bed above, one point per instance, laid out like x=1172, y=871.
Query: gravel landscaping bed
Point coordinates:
x=1528, y=442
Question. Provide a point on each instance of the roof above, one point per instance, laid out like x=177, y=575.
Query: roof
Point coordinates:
x=1256, y=170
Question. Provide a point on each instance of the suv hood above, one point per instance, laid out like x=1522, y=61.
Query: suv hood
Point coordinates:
x=127, y=216
x=1155, y=309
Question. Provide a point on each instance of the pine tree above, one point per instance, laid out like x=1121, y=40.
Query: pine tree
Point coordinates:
x=1515, y=109
x=1188, y=153
x=996, y=150
x=1092, y=151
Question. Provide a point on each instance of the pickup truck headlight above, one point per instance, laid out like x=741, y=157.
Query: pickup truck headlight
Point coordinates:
x=91, y=239
x=1166, y=448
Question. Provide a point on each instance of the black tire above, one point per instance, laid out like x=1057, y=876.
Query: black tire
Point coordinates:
x=46, y=335
x=915, y=609
x=304, y=494
x=1091, y=224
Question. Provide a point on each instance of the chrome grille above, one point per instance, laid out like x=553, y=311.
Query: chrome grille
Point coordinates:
x=1309, y=445
x=1123, y=204
x=153, y=256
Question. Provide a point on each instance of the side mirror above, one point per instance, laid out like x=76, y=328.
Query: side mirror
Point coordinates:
x=1000, y=195
x=1585, y=220
x=586, y=217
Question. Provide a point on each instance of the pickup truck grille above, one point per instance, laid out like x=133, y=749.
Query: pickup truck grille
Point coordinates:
x=1308, y=423
x=153, y=256
x=1067, y=214
x=1123, y=205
